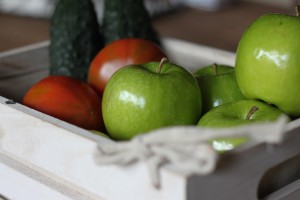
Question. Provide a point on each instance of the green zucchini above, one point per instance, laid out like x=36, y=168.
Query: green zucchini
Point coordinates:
x=75, y=38
x=127, y=19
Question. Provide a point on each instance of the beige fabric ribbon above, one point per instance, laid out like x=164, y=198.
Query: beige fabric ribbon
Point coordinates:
x=185, y=148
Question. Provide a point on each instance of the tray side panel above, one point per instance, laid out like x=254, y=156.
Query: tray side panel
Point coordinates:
x=239, y=175
x=54, y=156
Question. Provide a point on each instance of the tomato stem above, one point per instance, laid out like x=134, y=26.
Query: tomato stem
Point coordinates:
x=251, y=112
x=162, y=62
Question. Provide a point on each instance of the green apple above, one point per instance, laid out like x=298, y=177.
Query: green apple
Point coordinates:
x=222, y=145
x=218, y=86
x=234, y=114
x=268, y=62
x=99, y=133
x=140, y=98
x=239, y=113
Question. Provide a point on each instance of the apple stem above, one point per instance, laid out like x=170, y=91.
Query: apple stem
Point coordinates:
x=162, y=62
x=214, y=68
x=297, y=9
x=251, y=112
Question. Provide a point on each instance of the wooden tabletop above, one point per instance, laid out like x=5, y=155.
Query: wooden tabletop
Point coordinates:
x=221, y=29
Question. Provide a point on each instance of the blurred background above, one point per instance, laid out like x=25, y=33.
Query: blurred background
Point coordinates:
x=215, y=23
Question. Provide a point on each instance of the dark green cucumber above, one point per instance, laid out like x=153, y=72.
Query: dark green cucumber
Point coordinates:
x=127, y=19
x=75, y=38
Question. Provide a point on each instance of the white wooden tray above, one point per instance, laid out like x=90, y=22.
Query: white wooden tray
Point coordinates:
x=42, y=157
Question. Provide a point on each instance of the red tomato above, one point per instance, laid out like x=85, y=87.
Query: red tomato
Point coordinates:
x=67, y=99
x=118, y=54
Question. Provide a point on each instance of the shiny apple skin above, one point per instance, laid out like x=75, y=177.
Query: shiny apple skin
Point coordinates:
x=67, y=99
x=138, y=99
x=235, y=113
x=217, y=86
x=118, y=54
x=222, y=145
x=268, y=62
